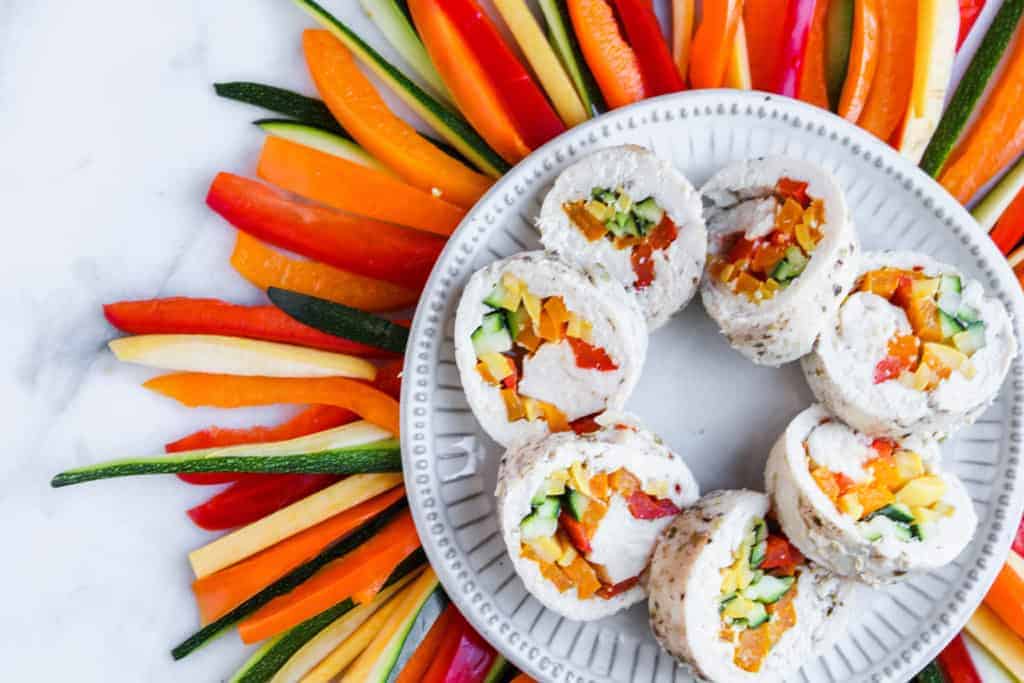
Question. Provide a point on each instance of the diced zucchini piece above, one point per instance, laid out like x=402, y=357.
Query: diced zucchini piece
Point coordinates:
x=518, y=320
x=623, y=225
x=768, y=589
x=605, y=195
x=902, y=532
x=577, y=503
x=649, y=210
x=503, y=297
x=539, y=497
x=624, y=203
x=949, y=284
x=918, y=531
x=726, y=599
x=897, y=512
x=874, y=529
x=550, y=508
x=492, y=336
x=971, y=339
x=758, y=541
x=738, y=608
x=950, y=326
x=790, y=267
x=760, y=530
x=534, y=526
x=966, y=314
x=757, y=616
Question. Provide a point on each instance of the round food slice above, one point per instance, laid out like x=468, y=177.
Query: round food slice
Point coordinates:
x=917, y=347
x=635, y=215
x=730, y=596
x=580, y=515
x=869, y=508
x=544, y=346
x=782, y=253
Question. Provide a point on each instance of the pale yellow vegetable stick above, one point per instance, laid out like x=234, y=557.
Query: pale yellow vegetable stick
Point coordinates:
x=998, y=639
x=542, y=58
x=682, y=33
x=249, y=540
x=737, y=72
x=237, y=356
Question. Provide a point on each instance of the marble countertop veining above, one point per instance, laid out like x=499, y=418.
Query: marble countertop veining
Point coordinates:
x=109, y=135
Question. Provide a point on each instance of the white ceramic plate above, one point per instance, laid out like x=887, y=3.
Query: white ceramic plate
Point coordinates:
x=712, y=406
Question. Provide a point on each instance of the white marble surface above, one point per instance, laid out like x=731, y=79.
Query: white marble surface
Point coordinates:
x=109, y=135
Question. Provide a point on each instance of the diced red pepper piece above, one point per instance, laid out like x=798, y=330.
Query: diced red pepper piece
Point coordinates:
x=969, y=12
x=531, y=113
x=956, y=662
x=644, y=506
x=742, y=248
x=247, y=501
x=609, y=592
x=585, y=425
x=781, y=555
x=657, y=68
x=884, y=447
x=793, y=189
x=888, y=368
x=591, y=357
x=577, y=533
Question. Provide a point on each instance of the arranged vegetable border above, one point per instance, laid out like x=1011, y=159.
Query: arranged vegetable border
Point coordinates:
x=321, y=562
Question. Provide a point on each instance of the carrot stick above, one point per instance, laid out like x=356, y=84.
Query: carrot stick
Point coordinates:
x=358, y=575
x=609, y=56
x=764, y=21
x=995, y=139
x=233, y=391
x=219, y=593
x=1009, y=229
x=1006, y=596
x=813, y=87
x=713, y=42
x=863, y=59
x=890, y=90
x=359, y=108
x=350, y=187
x=425, y=652
x=264, y=267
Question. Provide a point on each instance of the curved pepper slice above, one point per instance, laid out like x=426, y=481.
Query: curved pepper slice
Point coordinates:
x=609, y=56
x=796, y=30
x=660, y=74
x=713, y=42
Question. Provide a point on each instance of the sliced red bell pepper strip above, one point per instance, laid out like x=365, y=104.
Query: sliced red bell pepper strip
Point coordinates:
x=310, y=421
x=781, y=554
x=970, y=10
x=247, y=501
x=183, y=315
x=1018, y=540
x=659, y=71
x=389, y=378
x=462, y=657
x=531, y=113
x=955, y=660
x=1009, y=228
x=795, y=31
x=644, y=506
x=358, y=245
x=763, y=21
x=577, y=534
x=610, y=58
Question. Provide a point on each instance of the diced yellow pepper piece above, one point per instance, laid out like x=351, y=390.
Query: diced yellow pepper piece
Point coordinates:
x=574, y=327
x=568, y=553
x=533, y=306
x=658, y=488
x=547, y=548
x=850, y=504
x=579, y=479
x=945, y=509
x=738, y=608
x=908, y=465
x=923, y=515
x=498, y=365
x=730, y=581
x=586, y=331
x=922, y=491
x=532, y=408
x=804, y=238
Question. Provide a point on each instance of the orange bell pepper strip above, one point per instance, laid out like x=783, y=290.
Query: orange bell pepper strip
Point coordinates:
x=889, y=96
x=1006, y=596
x=713, y=42
x=359, y=575
x=219, y=593
x=813, y=87
x=265, y=267
x=764, y=21
x=426, y=651
x=466, y=79
x=1009, y=229
x=359, y=108
x=345, y=185
x=863, y=59
x=683, y=15
x=195, y=389
x=609, y=56
x=995, y=139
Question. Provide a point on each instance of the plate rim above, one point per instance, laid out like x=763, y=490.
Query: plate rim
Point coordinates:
x=424, y=343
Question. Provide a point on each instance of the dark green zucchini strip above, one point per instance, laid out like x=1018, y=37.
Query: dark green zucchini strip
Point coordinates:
x=288, y=582
x=274, y=657
x=299, y=107
x=382, y=456
x=341, y=321
x=972, y=86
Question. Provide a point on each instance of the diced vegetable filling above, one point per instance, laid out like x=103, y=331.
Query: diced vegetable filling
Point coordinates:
x=566, y=514
x=758, y=267
x=900, y=499
x=642, y=226
x=757, y=593
x=946, y=332
x=519, y=324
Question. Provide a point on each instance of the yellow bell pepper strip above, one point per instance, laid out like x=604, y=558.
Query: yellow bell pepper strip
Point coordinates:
x=889, y=96
x=352, y=99
x=713, y=42
x=737, y=73
x=683, y=20
x=264, y=267
x=863, y=59
x=609, y=56
x=998, y=639
x=542, y=59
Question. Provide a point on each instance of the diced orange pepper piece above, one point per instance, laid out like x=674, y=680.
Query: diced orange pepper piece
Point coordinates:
x=592, y=516
x=826, y=482
x=514, y=409
x=555, y=307
x=623, y=482
x=587, y=222
x=551, y=572
x=747, y=284
x=885, y=473
x=556, y=419
x=599, y=485
x=584, y=577
x=766, y=257
x=528, y=339
x=873, y=497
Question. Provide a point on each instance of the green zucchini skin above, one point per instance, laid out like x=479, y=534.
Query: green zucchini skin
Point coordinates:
x=288, y=582
x=384, y=456
x=339, y=320
x=562, y=38
x=972, y=86
x=271, y=660
x=305, y=109
x=455, y=129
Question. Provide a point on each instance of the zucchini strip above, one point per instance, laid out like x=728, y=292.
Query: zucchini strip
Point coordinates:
x=339, y=320
x=288, y=521
x=262, y=666
x=308, y=110
x=287, y=583
x=328, y=142
x=237, y=356
x=350, y=449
